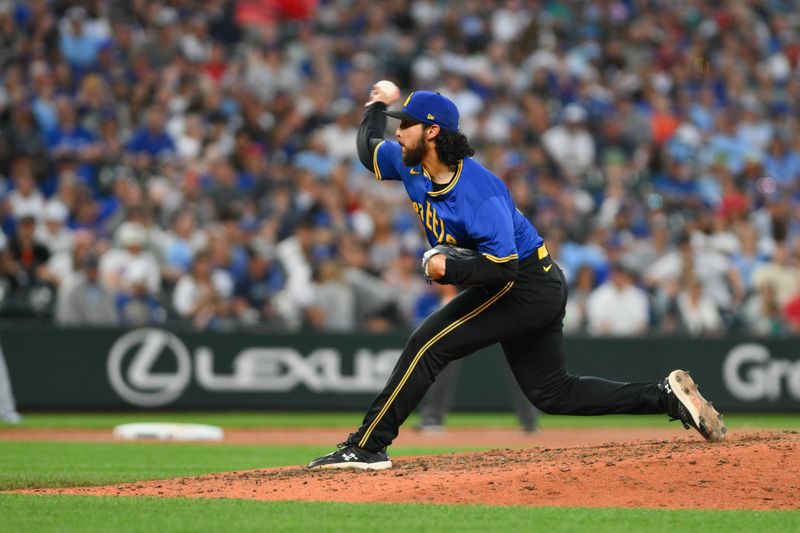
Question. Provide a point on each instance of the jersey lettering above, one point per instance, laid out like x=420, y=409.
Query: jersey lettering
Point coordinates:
x=431, y=220
x=428, y=215
x=418, y=211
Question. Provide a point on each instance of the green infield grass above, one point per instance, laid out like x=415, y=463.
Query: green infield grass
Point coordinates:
x=127, y=515
x=73, y=464
x=54, y=464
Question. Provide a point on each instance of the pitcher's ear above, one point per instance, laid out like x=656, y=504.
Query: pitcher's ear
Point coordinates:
x=431, y=131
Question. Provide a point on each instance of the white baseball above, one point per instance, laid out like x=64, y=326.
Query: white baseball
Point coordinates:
x=389, y=89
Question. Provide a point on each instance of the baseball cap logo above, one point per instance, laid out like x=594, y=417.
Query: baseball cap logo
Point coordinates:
x=431, y=117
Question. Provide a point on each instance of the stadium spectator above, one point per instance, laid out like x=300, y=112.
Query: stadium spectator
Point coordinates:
x=71, y=141
x=570, y=145
x=334, y=305
x=150, y=141
x=762, y=314
x=180, y=244
x=52, y=231
x=294, y=253
x=617, y=307
x=253, y=292
x=27, y=266
x=339, y=137
x=403, y=275
x=376, y=303
x=782, y=163
x=81, y=38
x=781, y=272
x=85, y=301
x=747, y=260
x=121, y=266
x=137, y=304
x=25, y=199
x=650, y=248
x=25, y=139
x=66, y=264
x=226, y=248
x=575, y=318
x=201, y=296
x=698, y=312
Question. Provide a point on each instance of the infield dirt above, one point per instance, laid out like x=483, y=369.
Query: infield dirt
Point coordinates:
x=755, y=470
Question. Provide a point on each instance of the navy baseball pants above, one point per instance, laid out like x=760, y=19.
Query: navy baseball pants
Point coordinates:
x=525, y=317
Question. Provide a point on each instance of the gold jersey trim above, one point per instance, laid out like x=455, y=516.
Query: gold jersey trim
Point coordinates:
x=505, y=259
x=452, y=182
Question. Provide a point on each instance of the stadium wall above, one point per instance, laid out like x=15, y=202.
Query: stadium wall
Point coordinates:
x=54, y=368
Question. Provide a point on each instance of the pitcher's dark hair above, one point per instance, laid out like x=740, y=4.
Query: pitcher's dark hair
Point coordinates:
x=452, y=147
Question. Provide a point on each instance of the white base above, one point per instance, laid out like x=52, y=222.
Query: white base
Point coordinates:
x=168, y=431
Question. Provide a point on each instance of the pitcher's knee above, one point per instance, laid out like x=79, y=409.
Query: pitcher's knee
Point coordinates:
x=552, y=400
x=554, y=394
x=548, y=405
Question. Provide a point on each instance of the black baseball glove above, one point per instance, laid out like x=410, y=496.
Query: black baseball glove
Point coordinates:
x=448, y=250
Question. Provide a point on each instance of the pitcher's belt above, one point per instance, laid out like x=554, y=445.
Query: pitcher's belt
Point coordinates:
x=537, y=255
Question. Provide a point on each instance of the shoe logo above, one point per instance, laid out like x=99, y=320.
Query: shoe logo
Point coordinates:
x=547, y=268
x=667, y=387
x=415, y=172
x=349, y=457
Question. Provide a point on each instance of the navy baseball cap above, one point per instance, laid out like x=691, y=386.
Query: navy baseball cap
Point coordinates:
x=430, y=108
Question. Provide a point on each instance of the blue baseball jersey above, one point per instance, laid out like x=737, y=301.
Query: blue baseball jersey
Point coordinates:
x=474, y=210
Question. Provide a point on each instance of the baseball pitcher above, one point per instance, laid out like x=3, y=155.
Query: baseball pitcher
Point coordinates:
x=516, y=293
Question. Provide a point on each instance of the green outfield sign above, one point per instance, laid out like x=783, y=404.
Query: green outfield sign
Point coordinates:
x=173, y=369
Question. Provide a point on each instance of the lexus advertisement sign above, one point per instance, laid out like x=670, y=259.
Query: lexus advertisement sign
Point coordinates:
x=132, y=362
x=169, y=369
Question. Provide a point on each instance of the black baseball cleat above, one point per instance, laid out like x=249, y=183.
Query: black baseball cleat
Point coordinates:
x=685, y=403
x=351, y=456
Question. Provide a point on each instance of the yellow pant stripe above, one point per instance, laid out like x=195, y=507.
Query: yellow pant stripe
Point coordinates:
x=422, y=350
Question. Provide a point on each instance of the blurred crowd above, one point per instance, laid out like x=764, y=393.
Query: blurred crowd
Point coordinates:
x=194, y=161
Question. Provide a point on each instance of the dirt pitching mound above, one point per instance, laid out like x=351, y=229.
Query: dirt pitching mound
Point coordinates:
x=748, y=471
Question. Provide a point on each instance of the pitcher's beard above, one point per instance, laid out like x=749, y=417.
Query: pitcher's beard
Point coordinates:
x=413, y=156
